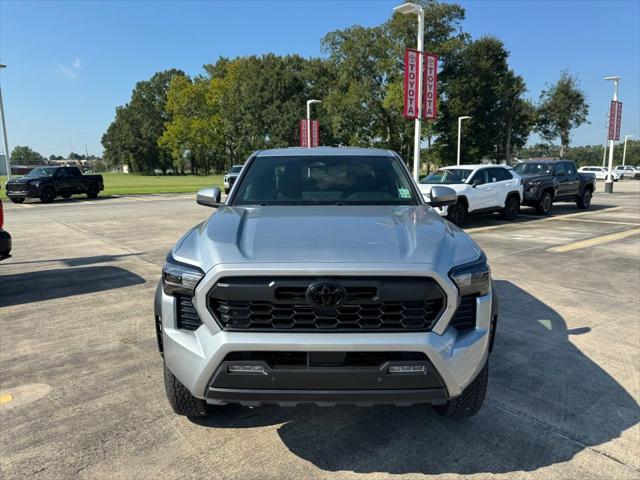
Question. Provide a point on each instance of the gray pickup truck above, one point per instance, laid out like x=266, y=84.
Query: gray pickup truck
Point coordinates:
x=325, y=278
x=547, y=181
x=47, y=183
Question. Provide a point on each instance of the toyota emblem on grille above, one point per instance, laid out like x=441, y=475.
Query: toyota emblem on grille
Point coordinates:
x=326, y=294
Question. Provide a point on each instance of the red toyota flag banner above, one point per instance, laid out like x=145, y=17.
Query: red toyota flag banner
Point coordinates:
x=618, y=120
x=303, y=133
x=315, y=133
x=411, y=62
x=615, y=119
x=430, y=86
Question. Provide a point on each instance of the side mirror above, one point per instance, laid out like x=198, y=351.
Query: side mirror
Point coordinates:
x=442, y=196
x=209, y=197
x=475, y=182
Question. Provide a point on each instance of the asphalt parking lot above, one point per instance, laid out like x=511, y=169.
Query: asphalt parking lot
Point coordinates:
x=81, y=392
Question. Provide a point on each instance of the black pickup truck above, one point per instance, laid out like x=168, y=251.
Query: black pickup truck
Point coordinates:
x=546, y=181
x=47, y=183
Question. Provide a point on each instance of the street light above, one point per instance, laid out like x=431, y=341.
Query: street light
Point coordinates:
x=460, y=119
x=4, y=131
x=309, y=102
x=608, y=184
x=624, y=152
x=407, y=9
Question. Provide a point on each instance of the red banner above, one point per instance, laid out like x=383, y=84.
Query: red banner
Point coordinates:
x=411, y=62
x=315, y=133
x=430, y=86
x=618, y=120
x=615, y=120
x=303, y=133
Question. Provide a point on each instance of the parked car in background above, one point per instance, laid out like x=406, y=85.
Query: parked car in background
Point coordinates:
x=47, y=183
x=5, y=238
x=325, y=278
x=230, y=177
x=547, y=181
x=480, y=189
x=601, y=173
x=628, y=171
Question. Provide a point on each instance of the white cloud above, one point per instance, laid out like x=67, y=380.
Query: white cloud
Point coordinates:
x=71, y=71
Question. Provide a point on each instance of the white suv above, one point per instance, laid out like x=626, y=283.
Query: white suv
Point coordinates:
x=480, y=189
x=627, y=171
x=601, y=173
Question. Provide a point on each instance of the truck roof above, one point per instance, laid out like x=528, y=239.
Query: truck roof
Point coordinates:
x=547, y=160
x=324, y=151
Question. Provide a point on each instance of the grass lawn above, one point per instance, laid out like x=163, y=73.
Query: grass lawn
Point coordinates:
x=128, y=184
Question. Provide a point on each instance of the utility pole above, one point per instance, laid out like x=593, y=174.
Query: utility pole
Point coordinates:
x=4, y=132
x=608, y=184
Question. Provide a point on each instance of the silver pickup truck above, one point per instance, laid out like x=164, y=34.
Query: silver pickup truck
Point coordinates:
x=325, y=278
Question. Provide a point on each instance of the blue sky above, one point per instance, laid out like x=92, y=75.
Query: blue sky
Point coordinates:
x=71, y=63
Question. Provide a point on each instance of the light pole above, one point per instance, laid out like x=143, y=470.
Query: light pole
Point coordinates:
x=460, y=119
x=4, y=132
x=406, y=9
x=309, y=102
x=608, y=184
x=624, y=152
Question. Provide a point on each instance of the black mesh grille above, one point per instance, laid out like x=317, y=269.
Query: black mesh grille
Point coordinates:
x=465, y=316
x=186, y=314
x=372, y=304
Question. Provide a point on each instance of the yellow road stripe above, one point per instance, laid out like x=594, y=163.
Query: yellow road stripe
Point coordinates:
x=591, y=242
x=604, y=221
x=5, y=398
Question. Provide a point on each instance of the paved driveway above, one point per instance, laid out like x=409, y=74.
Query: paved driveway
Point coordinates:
x=81, y=391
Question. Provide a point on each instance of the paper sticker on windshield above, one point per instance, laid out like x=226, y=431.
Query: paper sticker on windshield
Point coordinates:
x=404, y=193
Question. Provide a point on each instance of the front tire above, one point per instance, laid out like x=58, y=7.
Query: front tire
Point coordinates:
x=470, y=401
x=181, y=400
x=457, y=213
x=48, y=195
x=544, y=204
x=92, y=191
x=511, y=208
x=17, y=199
x=584, y=200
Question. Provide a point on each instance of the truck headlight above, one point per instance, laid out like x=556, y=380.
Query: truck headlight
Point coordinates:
x=179, y=278
x=472, y=278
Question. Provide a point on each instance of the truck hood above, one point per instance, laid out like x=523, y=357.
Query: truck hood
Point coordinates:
x=21, y=180
x=326, y=234
x=529, y=177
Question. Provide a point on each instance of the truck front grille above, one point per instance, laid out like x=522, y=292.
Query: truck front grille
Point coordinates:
x=371, y=304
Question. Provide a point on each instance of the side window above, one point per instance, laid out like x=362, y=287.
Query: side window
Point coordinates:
x=560, y=169
x=570, y=169
x=506, y=174
x=480, y=177
x=494, y=175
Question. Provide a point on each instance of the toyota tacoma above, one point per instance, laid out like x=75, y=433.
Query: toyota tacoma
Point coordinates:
x=325, y=278
x=47, y=183
x=547, y=181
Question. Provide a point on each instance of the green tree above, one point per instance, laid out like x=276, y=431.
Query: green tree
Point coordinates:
x=366, y=98
x=132, y=137
x=562, y=107
x=23, y=155
x=476, y=81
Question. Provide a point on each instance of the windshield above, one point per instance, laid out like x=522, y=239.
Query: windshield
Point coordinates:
x=448, y=176
x=41, y=172
x=532, y=167
x=325, y=180
x=235, y=169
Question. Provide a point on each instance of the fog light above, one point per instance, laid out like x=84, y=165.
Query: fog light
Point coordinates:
x=407, y=369
x=255, y=369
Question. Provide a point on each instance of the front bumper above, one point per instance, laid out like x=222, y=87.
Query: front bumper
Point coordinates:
x=454, y=358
